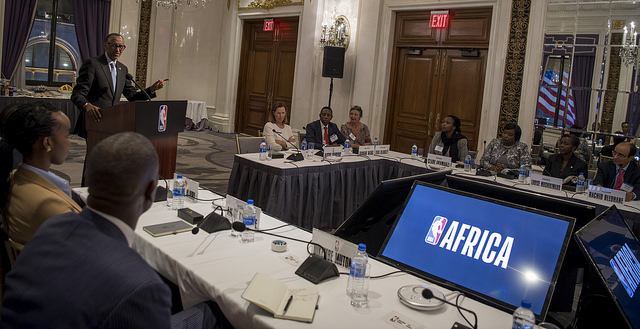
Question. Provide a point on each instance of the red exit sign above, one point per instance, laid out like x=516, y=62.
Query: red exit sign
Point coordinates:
x=268, y=25
x=439, y=19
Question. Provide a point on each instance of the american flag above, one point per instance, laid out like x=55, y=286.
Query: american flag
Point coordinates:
x=549, y=94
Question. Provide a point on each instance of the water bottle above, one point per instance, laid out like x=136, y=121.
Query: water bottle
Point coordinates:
x=600, y=141
x=580, y=183
x=414, y=151
x=523, y=317
x=178, y=193
x=249, y=221
x=523, y=173
x=347, y=147
x=467, y=162
x=263, y=151
x=358, y=280
x=375, y=143
x=303, y=147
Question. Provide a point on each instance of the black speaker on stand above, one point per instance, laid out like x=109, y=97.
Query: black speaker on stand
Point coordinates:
x=333, y=65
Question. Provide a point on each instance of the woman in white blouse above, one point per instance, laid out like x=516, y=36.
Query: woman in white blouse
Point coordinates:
x=283, y=132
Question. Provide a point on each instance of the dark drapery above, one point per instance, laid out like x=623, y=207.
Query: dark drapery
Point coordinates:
x=633, y=105
x=92, y=25
x=582, y=75
x=18, y=19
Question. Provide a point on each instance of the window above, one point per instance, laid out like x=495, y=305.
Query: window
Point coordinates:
x=48, y=60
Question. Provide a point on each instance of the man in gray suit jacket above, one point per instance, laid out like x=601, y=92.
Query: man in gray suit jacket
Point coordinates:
x=95, y=87
x=78, y=270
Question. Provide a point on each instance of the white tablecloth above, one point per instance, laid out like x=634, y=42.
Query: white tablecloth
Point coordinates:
x=196, y=116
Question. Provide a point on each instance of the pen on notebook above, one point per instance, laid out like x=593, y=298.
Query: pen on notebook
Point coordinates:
x=286, y=307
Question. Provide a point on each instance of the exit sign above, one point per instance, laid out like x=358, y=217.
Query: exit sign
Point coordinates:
x=268, y=25
x=439, y=19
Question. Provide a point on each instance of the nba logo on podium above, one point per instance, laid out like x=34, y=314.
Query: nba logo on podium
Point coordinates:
x=162, y=118
x=435, y=231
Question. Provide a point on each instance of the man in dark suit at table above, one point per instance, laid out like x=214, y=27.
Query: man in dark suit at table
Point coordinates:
x=78, y=270
x=102, y=80
x=324, y=132
x=622, y=173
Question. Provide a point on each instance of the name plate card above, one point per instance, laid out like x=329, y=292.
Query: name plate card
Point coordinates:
x=546, y=181
x=333, y=153
x=191, y=190
x=606, y=194
x=366, y=150
x=382, y=149
x=438, y=160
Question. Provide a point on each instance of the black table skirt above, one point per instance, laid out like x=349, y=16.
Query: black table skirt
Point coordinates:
x=64, y=104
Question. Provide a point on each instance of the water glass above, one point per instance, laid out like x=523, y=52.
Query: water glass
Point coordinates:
x=311, y=149
x=269, y=153
x=169, y=187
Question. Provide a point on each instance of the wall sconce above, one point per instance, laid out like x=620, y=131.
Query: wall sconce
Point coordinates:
x=336, y=33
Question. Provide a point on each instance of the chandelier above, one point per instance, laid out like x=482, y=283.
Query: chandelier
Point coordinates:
x=629, y=51
x=336, y=31
x=175, y=3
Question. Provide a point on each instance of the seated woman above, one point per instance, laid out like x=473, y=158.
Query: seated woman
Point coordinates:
x=31, y=194
x=506, y=152
x=565, y=163
x=277, y=141
x=450, y=141
x=357, y=132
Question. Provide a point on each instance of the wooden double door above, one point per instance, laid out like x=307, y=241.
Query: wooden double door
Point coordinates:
x=435, y=73
x=266, y=72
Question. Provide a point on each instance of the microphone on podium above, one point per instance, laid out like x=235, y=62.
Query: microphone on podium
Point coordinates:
x=130, y=78
x=428, y=294
x=295, y=157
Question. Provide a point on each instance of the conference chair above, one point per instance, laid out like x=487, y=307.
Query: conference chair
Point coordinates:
x=248, y=144
x=535, y=153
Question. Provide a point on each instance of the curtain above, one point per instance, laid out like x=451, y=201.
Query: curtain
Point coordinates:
x=582, y=74
x=18, y=19
x=92, y=25
x=633, y=105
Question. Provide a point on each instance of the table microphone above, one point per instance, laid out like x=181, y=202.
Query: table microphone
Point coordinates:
x=428, y=294
x=295, y=157
x=130, y=78
x=214, y=222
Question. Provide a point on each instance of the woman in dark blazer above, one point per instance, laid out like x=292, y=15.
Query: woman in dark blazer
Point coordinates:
x=565, y=163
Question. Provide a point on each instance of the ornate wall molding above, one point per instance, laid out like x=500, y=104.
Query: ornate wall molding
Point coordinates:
x=143, y=42
x=267, y=4
x=613, y=81
x=514, y=63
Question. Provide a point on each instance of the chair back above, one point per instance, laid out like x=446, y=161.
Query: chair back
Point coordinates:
x=535, y=153
x=248, y=144
x=13, y=249
x=604, y=158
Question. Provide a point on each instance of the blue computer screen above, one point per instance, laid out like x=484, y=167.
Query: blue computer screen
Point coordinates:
x=504, y=252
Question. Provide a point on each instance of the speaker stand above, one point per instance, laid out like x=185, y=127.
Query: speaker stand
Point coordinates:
x=330, y=92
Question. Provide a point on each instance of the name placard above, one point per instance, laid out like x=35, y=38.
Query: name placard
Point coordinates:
x=382, y=149
x=366, y=150
x=336, y=250
x=333, y=153
x=546, y=181
x=438, y=160
x=606, y=194
x=191, y=190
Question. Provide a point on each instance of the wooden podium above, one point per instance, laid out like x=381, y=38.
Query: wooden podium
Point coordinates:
x=144, y=117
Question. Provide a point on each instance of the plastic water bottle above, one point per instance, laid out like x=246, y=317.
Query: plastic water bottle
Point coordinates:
x=580, y=183
x=358, y=278
x=178, y=193
x=414, y=151
x=467, y=162
x=600, y=141
x=523, y=317
x=249, y=220
x=303, y=147
x=263, y=151
x=375, y=143
x=347, y=147
x=523, y=173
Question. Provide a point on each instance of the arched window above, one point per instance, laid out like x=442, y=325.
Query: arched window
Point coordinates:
x=36, y=62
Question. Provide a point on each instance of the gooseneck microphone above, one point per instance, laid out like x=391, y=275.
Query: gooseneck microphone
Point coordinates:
x=295, y=157
x=428, y=294
x=130, y=78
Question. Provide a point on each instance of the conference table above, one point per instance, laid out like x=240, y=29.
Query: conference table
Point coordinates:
x=219, y=267
x=315, y=193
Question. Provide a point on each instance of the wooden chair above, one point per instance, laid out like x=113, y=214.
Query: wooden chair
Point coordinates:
x=248, y=144
x=535, y=153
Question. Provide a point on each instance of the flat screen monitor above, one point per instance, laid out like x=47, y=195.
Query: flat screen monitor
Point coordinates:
x=613, y=251
x=371, y=222
x=497, y=252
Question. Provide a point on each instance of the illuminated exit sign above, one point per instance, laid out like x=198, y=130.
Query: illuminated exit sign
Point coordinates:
x=268, y=25
x=439, y=19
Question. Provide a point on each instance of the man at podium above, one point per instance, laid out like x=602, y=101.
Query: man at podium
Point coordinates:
x=101, y=82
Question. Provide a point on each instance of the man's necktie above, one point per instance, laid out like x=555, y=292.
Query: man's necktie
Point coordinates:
x=326, y=136
x=620, y=179
x=114, y=74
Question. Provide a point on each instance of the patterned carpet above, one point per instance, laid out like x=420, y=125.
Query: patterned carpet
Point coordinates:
x=204, y=156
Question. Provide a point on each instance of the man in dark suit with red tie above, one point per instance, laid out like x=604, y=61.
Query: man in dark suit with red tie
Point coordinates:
x=102, y=80
x=324, y=132
x=622, y=173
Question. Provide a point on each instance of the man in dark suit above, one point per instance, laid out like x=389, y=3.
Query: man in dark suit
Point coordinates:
x=609, y=173
x=95, y=87
x=324, y=132
x=78, y=270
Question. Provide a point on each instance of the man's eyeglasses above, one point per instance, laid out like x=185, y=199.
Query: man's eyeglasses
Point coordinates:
x=619, y=155
x=114, y=46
